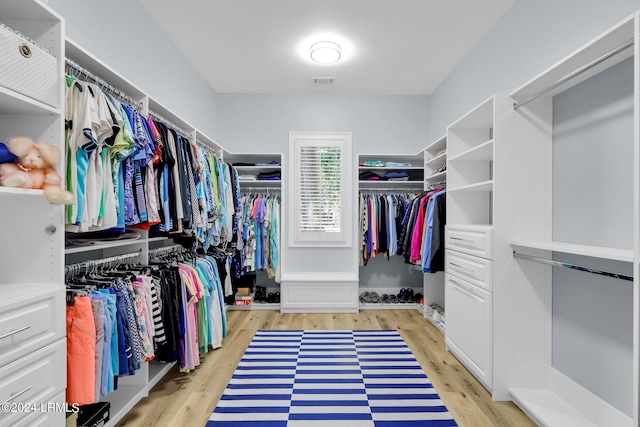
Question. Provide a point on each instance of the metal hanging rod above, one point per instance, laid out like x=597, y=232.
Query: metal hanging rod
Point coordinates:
x=165, y=250
x=156, y=116
x=265, y=188
x=208, y=148
x=576, y=73
x=102, y=83
x=73, y=269
x=571, y=266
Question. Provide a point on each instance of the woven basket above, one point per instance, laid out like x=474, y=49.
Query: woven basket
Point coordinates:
x=26, y=68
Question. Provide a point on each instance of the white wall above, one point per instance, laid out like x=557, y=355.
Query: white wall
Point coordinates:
x=532, y=36
x=380, y=123
x=124, y=36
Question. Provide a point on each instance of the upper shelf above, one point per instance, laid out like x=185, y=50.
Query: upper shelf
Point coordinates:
x=482, y=152
x=593, y=50
x=15, y=103
x=575, y=249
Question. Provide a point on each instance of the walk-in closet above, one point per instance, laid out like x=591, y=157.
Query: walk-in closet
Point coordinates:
x=280, y=214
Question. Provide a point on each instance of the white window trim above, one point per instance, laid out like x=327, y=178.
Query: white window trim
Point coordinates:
x=297, y=238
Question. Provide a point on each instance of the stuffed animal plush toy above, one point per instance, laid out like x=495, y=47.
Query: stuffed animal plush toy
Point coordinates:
x=33, y=169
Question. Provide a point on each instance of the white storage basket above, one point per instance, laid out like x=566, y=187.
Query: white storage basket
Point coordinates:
x=26, y=68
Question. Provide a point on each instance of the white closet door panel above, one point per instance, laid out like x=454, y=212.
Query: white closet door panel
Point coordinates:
x=468, y=331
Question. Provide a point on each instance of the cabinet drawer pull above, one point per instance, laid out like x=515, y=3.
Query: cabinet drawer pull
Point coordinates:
x=462, y=240
x=461, y=286
x=459, y=267
x=17, y=394
x=8, y=334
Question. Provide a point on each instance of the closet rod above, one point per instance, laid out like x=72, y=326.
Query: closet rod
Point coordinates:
x=156, y=116
x=265, y=188
x=393, y=189
x=102, y=83
x=101, y=262
x=208, y=148
x=576, y=73
x=571, y=266
x=167, y=250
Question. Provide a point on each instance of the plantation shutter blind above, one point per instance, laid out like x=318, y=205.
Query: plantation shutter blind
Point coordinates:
x=321, y=172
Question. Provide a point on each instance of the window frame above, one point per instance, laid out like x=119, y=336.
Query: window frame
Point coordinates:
x=297, y=237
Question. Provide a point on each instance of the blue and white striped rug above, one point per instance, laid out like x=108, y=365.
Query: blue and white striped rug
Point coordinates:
x=329, y=378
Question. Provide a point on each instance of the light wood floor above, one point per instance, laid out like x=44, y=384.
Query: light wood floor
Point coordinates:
x=188, y=399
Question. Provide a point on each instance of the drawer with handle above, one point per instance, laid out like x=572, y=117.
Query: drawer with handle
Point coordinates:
x=471, y=239
x=31, y=321
x=477, y=271
x=34, y=379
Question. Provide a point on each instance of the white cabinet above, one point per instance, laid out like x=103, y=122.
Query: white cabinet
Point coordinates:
x=32, y=308
x=475, y=145
x=468, y=333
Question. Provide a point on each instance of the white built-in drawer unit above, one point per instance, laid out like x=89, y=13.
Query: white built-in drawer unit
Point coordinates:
x=37, y=378
x=471, y=239
x=50, y=417
x=31, y=317
x=475, y=270
x=468, y=333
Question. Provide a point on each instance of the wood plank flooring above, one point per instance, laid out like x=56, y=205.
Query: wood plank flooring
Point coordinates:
x=181, y=399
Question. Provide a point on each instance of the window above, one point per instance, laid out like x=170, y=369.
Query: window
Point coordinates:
x=320, y=173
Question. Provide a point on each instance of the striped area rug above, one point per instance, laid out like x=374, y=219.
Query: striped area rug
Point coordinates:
x=329, y=378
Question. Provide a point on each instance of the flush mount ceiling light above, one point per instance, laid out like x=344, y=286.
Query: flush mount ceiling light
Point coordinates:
x=325, y=52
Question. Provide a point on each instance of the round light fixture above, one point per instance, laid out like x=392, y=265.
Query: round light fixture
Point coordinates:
x=325, y=52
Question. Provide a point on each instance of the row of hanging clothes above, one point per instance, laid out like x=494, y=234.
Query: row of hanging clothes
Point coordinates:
x=259, y=248
x=126, y=169
x=404, y=224
x=120, y=316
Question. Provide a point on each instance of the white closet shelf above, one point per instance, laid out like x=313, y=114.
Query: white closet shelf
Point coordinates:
x=257, y=168
x=436, y=176
x=388, y=306
x=260, y=182
x=15, y=103
x=107, y=245
x=158, y=370
x=435, y=159
x=479, y=186
x=434, y=323
x=437, y=145
x=481, y=152
x=122, y=401
x=254, y=306
x=24, y=191
x=365, y=168
x=399, y=184
x=19, y=10
x=547, y=408
x=18, y=291
x=615, y=254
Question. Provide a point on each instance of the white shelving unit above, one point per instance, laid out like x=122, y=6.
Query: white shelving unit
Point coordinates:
x=474, y=143
x=415, y=171
x=32, y=292
x=541, y=361
x=130, y=388
x=253, y=164
x=435, y=158
x=379, y=266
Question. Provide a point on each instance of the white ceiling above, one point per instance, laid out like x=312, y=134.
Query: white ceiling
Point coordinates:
x=262, y=46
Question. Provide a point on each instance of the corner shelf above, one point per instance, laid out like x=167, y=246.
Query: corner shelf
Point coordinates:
x=547, y=408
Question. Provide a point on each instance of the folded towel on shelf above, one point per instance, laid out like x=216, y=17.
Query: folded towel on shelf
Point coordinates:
x=269, y=175
x=368, y=176
x=397, y=165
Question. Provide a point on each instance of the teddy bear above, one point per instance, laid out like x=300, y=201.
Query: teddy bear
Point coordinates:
x=33, y=169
